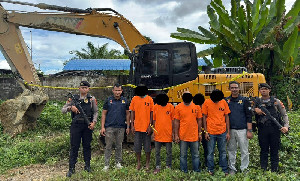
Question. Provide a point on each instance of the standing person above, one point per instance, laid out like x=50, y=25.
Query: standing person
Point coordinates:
x=216, y=127
x=141, y=107
x=268, y=131
x=240, y=127
x=114, y=121
x=187, y=122
x=163, y=114
x=199, y=100
x=79, y=128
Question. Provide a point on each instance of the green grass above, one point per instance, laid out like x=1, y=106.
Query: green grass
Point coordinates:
x=49, y=143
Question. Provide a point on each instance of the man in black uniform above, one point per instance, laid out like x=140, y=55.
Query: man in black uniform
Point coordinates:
x=114, y=120
x=268, y=131
x=79, y=128
x=240, y=127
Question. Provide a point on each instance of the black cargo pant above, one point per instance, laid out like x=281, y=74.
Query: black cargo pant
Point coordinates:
x=80, y=131
x=269, y=141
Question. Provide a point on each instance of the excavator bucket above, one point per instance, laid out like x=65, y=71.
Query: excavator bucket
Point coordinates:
x=20, y=114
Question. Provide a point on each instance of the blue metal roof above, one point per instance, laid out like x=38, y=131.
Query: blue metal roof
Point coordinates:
x=105, y=64
x=98, y=64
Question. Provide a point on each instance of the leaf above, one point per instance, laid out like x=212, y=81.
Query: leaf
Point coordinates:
x=289, y=45
x=231, y=39
x=184, y=30
x=249, y=33
x=242, y=21
x=206, y=52
x=217, y=56
x=264, y=11
x=207, y=61
x=291, y=27
x=294, y=13
x=280, y=7
x=255, y=13
x=233, y=9
x=272, y=11
x=265, y=32
x=214, y=23
x=207, y=33
x=296, y=54
x=192, y=37
x=226, y=20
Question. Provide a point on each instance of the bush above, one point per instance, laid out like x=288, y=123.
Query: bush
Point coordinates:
x=287, y=86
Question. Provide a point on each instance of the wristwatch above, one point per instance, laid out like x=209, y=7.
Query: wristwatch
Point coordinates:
x=250, y=130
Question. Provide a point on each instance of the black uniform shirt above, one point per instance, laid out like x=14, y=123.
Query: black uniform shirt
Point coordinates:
x=116, y=112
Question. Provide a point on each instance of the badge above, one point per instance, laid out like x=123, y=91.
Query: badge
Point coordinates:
x=123, y=101
x=168, y=112
x=110, y=101
x=240, y=102
x=86, y=100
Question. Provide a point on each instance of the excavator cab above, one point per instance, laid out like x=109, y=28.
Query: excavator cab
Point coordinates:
x=162, y=65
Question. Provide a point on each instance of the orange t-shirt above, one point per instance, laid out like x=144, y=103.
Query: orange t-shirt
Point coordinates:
x=215, y=120
x=163, y=116
x=142, y=108
x=187, y=116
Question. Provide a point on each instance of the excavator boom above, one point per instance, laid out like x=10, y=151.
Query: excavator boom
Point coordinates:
x=92, y=22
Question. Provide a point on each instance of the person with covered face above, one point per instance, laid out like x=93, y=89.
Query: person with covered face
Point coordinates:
x=141, y=107
x=163, y=114
x=216, y=127
x=187, y=122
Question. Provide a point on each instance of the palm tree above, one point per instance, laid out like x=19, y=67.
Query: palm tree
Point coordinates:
x=102, y=52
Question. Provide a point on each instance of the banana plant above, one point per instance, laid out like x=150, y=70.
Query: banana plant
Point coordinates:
x=257, y=35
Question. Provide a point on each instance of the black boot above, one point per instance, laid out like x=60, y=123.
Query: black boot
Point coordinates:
x=87, y=167
x=71, y=171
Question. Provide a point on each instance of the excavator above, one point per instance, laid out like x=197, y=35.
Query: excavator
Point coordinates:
x=168, y=67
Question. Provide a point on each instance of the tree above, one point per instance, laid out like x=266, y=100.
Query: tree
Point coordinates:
x=92, y=52
x=101, y=52
x=258, y=35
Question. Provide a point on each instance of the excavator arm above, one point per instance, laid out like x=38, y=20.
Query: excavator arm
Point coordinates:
x=20, y=114
x=91, y=22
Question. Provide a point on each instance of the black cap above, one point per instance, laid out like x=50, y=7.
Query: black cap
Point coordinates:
x=264, y=85
x=84, y=83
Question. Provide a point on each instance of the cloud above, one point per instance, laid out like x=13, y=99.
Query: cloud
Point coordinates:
x=4, y=64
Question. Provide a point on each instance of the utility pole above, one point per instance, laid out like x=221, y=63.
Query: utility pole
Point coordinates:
x=31, y=45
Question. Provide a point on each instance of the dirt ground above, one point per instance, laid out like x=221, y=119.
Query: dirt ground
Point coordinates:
x=36, y=172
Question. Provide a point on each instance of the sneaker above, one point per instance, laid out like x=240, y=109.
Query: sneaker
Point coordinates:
x=119, y=166
x=105, y=168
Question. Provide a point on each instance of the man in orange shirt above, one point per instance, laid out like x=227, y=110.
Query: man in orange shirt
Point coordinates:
x=187, y=122
x=163, y=114
x=141, y=117
x=216, y=126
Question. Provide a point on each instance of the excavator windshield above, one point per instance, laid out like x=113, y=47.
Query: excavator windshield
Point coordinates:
x=158, y=63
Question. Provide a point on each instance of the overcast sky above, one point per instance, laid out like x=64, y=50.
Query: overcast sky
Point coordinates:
x=156, y=19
